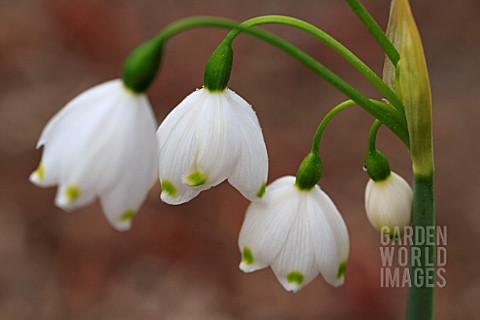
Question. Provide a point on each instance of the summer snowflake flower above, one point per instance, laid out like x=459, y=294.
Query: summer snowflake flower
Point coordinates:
x=388, y=202
x=207, y=138
x=102, y=143
x=299, y=233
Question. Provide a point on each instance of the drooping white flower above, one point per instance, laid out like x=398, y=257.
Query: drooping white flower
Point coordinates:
x=207, y=138
x=299, y=233
x=101, y=144
x=388, y=202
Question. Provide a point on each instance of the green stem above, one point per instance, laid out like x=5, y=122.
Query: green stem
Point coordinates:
x=422, y=270
x=329, y=41
x=375, y=30
x=393, y=119
x=332, y=113
x=323, y=124
x=372, y=135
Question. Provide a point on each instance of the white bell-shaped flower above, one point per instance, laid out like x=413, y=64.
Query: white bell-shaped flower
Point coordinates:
x=299, y=233
x=388, y=203
x=207, y=138
x=101, y=144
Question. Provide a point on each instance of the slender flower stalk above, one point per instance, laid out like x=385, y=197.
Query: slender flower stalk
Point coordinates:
x=333, y=112
x=392, y=118
x=329, y=41
x=372, y=135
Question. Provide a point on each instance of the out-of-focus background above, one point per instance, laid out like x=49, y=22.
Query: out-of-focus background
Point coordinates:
x=182, y=262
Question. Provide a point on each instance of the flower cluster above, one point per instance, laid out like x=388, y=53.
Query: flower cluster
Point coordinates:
x=103, y=145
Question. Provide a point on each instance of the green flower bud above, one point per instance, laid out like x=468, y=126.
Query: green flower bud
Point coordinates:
x=219, y=66
x=141, y=66
x=377, y=166
x=309, y=172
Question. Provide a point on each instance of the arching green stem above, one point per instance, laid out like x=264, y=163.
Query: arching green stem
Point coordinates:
x=329, y=41
x=392, y=118
x=332, y=113
x=375, y=30
x=372, y=135
x=328, y=117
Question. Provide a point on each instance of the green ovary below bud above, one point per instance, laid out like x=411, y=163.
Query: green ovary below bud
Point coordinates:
x=141, y=66
x=377, y=166
x=218, y=69
x=309, y=172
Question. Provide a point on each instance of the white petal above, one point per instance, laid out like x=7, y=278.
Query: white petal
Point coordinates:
x=65, y=128
x=295, y=266
x=76, y=107
x=250, y=173
x=45, y=175
x=218, y=138
x=389, y=203
x=299, y=233
x=122, y=202
x=82, y=146
x=177, y=146
x=330, y=232
x=206, y=139
x=70, y=197
x=93, y=156
x=104, y=136
x=124, y=148
x=266, y=225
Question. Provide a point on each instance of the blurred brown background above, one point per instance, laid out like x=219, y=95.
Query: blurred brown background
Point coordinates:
x=182, y=262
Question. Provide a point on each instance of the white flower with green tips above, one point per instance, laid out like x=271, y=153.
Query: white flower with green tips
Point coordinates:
x=101, y=144
x=207, y=138
x=299, y=233
x=388, y=203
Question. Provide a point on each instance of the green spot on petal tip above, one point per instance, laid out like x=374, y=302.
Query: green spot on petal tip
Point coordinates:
x=295, y=277
x=41, y=172
x=72, y=193
x=247, y=256
x=169, y=188
x=261, y=191
x=127, y=216
x=341, y=270
x=196, y=178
